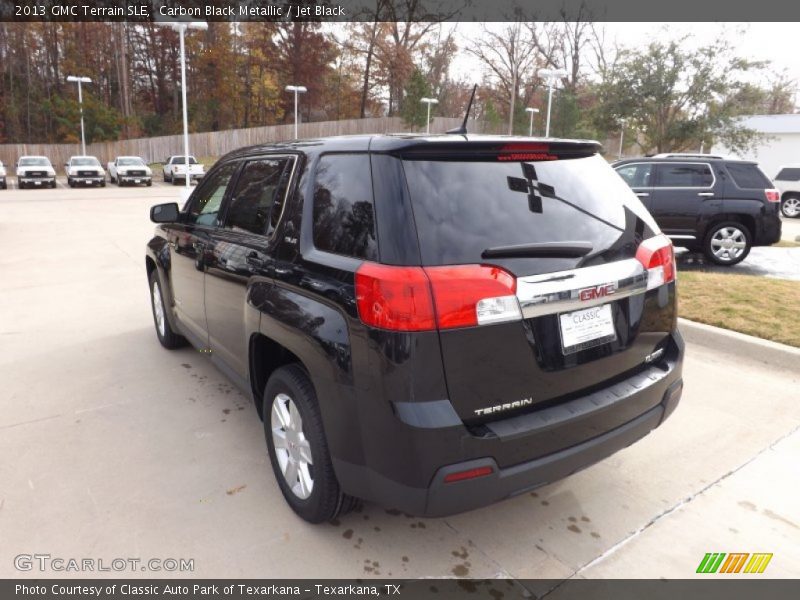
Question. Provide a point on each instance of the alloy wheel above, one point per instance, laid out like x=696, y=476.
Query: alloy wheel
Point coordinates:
x=292, y=449
x=728, y=243
x=791, y=207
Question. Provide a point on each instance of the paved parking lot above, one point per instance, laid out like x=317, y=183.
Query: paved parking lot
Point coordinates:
x=113, y=447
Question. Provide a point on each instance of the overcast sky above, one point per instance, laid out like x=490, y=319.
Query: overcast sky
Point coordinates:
x=776, y=42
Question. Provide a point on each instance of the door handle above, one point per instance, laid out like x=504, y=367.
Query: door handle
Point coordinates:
x=642, y=194
x=706, y=194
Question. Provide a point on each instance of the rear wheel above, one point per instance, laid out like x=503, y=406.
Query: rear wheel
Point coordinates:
x=790, y=207
x=728, y=243
x=298, y=449
x=166, y=335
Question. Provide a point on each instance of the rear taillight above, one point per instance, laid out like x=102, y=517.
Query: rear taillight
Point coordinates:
x=397, y=298
x=773, y=195
x=658, y=258
x=468, y=295
x=419, y=299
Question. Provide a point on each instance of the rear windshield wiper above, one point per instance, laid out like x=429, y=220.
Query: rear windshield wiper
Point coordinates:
x=540, y=250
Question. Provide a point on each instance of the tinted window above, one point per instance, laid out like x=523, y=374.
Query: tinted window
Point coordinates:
x=127, y=162
x=748, y=177
x=344, y=220
x=464, y=208
x=181, y=160
x=636, y=175
x=684, y=175
x=204, y=203
x=252, y=201
x=788, y=175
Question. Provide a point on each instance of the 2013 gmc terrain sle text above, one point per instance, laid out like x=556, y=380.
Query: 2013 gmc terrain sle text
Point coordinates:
x=430, y=323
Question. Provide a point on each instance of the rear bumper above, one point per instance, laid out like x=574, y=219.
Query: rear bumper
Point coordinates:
x=597, y=425
x=769, y=230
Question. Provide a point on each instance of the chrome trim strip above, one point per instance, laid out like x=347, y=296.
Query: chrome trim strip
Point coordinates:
x=559, y=292
x=681, y=237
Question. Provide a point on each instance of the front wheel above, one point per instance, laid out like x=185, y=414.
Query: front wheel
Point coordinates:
x=728, y=244
x=790, y=207
x=298, y=449
x=166, y=335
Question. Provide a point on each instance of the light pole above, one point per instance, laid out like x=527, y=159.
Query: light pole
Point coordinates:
x=622, y=124
x=181, y=27
x=428, y=101
x=551, y=75
x=79, y=81
x=297, y=89
x=533, y=111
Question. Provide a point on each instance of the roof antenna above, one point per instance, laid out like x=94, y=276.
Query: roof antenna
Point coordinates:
x=463, y=129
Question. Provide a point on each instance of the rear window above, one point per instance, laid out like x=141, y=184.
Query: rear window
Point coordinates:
x=748, y=176
x=464, y=208
x=788, y=175
x=344, y=214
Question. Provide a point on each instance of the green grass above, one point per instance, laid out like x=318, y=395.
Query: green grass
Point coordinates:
x=759, y=306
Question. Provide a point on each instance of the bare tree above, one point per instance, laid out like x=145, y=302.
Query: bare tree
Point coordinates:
x=510, y=54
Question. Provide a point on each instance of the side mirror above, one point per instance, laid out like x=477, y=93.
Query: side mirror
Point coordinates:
x=164, y=213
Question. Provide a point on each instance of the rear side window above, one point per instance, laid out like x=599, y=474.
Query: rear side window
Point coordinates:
x=748, y=176
x=684, y=175
x=253, y=199
x=788, y=175
x=344, y=214
x=463, y=208
x=636, y=175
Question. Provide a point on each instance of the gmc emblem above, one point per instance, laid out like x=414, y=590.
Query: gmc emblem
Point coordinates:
x=598, y=291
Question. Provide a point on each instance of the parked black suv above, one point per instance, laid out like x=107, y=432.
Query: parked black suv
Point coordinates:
x=719, y=206
x=430, y=323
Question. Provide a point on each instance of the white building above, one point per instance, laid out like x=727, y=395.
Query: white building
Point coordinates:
x=780, y=146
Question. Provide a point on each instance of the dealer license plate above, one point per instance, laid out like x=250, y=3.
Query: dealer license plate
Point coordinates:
x=586, y=328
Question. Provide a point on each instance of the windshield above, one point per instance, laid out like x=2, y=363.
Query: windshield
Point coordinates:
x=34, y=162
x=85, y=161
x=181, y=160
x=128, y=162
x=465, y=208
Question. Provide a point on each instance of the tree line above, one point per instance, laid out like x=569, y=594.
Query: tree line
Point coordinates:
x=668, y=96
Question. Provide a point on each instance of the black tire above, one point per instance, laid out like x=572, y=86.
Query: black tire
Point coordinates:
x=326, y=499
x=167, y=179
x=727, y=257
x=166, y=335
x=53, y=184
x=102, y=184
x=790, y=205
x=21, y=185
x=150, y=183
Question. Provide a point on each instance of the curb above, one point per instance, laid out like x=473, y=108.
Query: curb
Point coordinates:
x=740, y=345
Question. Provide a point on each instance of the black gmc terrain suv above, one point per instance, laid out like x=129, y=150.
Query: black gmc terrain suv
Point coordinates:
x=719, y=206
x=430, y=323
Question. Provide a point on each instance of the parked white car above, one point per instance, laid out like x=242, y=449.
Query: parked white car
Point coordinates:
x=3, y=184
x=175, y=169
x=788, y=183
x=85, y=170
x=125, y=170
x=35, y=171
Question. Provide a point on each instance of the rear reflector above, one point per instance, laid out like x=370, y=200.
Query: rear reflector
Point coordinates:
x=773, y=195
x=421, y=299
x=468, y=474
x=658, y=258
